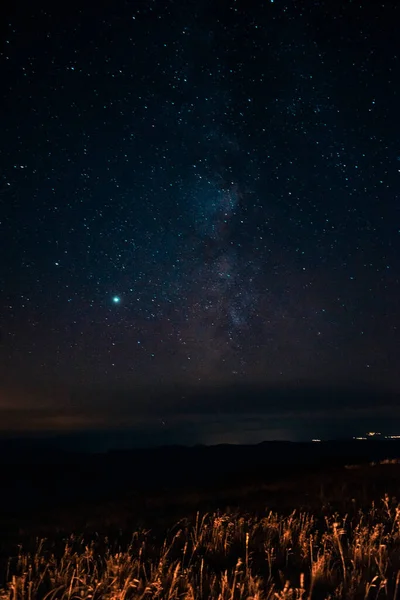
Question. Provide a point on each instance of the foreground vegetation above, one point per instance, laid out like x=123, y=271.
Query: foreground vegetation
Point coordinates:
x=224, y=556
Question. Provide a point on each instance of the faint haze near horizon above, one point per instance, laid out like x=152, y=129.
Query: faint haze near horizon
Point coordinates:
x=218, y=419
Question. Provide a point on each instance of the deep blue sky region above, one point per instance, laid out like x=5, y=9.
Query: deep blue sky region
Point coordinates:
x=200, y=200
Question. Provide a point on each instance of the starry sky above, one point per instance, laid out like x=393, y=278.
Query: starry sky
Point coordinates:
x=198, y=197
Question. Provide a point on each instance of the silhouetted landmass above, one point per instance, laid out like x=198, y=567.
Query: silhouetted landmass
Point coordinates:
x=40, y=474
x=49, y=491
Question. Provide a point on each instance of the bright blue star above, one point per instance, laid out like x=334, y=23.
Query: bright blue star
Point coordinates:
x=116, y=299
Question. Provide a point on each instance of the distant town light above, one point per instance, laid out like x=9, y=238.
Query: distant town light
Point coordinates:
x=315, y=440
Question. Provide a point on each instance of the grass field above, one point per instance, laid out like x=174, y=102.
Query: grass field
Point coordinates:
x=225, y=556
x=334, y=536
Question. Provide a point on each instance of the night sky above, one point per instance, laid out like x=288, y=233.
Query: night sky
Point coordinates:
x=199, y=212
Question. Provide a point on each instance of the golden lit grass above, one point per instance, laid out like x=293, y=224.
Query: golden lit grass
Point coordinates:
x=221, y=557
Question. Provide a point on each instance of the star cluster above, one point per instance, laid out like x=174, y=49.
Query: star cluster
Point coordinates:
x=200, y=193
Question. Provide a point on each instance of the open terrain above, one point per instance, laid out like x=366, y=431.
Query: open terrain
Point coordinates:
x=276, y=520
